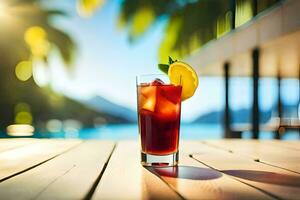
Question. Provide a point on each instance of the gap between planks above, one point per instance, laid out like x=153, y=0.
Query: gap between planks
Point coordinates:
x=125, y=178
x=264, y=152
x=276, y=182
x=17, y=161
x=194, y=180
x=68, y=176
x=94, y=186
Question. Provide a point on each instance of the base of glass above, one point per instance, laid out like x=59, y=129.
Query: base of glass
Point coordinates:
x=159, y=161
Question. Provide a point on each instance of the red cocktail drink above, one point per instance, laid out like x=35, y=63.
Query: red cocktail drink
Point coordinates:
x=159, y=118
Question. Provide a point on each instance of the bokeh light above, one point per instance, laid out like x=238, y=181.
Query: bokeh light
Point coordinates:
x=23, y=117
x=20, y=130
x=71, y=128
x=22, y=107
x=23, y=114
x=36, y=38
x=33, y=34
x=23, y=70
x=54, y=125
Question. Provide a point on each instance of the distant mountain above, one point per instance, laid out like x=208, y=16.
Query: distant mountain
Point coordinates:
x=244, y=115
x=213, y=117
x=103, y=105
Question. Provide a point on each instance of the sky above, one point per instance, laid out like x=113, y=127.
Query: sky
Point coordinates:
x=106, y=64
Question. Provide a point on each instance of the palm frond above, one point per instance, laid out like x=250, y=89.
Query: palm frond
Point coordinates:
x=190, y=23
x=63, y=42
x=190, y=27
x=51, y=13
x=140, y=15
x=31, y=13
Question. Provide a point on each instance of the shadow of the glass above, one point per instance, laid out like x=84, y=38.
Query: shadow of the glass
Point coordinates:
x=266, y=177
x=186, y=172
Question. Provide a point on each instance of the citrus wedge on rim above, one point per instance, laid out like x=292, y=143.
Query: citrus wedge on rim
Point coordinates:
x=181, y=73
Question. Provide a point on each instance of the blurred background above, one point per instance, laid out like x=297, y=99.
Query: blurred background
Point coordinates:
x=68, y=68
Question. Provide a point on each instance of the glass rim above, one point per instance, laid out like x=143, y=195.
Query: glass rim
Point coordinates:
x=140, y=76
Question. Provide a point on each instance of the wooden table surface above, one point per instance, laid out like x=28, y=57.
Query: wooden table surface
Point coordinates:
x=93, y=169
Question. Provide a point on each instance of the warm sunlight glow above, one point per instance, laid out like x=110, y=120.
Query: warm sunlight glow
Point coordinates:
x=36, y=38
x=23, y=70
x=4, y=15
x=20, y=130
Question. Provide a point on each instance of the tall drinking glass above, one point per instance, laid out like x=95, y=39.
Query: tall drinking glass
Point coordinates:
x=159, y=106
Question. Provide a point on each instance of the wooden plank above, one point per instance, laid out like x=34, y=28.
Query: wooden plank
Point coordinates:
x=8, y=144
x=264, y=152
x=17, y=160
x=194, y=180
x=277, y=182
x=288, y=144
x=68, y=176
x=294, y=144
x=125, y=178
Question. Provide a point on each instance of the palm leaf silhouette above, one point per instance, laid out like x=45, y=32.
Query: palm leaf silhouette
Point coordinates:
x=25, y=14
x=17, y=17
x=190, y=23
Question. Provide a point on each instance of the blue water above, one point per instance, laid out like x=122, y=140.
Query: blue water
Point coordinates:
x=130, y=132
x=120, y=132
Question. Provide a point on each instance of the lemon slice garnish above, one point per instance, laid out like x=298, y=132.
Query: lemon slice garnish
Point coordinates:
x=182, y=74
